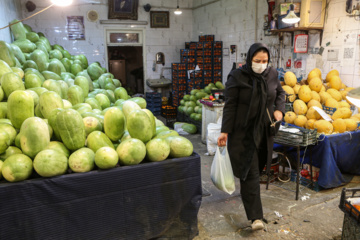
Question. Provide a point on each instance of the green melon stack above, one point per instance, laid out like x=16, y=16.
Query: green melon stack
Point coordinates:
x=57, y=112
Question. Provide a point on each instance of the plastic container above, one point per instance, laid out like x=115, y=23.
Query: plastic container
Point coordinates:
x=210, y=115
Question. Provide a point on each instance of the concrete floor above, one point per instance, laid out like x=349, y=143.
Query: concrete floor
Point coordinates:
x=222, y=216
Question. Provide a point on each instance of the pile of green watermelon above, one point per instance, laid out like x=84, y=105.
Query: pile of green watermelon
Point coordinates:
x=58, y=114
x=190, y=104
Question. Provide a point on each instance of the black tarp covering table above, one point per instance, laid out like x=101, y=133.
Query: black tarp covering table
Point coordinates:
x=133, y=202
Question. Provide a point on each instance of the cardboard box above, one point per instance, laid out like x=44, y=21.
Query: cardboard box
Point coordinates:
x=284, y=7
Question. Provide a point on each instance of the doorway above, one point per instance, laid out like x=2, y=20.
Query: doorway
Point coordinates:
x=126, y=63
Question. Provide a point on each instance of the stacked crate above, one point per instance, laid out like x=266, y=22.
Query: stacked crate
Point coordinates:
x=207, y=54
x=217, y=61
x=153, y=100
x=179, y=73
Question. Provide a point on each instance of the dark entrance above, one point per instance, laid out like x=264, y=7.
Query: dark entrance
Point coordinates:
x=126, y=63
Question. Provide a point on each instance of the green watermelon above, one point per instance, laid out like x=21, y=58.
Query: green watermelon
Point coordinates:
x=34, y=136
x=71, y=128
x=97, y=139
x=20, y=107
x=179, y=147
x=131, y=151
x=82, y=160
x=157, y=150
x=114, y=123
x=17, y=167
x=139, y=125
x=106, y=158
x=50, y=163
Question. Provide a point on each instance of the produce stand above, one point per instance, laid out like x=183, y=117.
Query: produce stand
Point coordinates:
x=129, y=202
x=336, y=155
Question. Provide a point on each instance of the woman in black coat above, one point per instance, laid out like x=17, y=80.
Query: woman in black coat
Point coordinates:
x=249, y=92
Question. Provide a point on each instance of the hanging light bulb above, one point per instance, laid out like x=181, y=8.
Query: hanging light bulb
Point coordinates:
x=178, y=11
x=291, y=18
x=62, y=3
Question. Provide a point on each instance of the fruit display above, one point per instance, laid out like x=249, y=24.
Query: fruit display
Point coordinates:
x=190, y=104
x=60, y=114
x=329, y=95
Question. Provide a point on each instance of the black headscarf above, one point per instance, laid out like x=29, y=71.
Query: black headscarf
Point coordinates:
x=252, y=50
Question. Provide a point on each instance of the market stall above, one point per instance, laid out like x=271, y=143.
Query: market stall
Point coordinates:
x=134, y=202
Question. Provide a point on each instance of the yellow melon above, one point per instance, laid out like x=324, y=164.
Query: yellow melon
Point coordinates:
x=312, y=74
x=290, y=79
x=324, y=96
x=310, y=124
x=305, y=93
x=300, y=121
x=344, y=104
x=335, y=94
x=315, y=84
x=323, y=126
x=335, y=82
x=357, y=116
x=318, y=71
x=344, y=94
x=300, y=107
x=296, y=88
x=313, y=103
x=315, y=96
x=290, y=117
x=351, y=124
x=348, y=89
x=323, y=89
x=339, y=125
x=330, y=102
x=331, y=73
x=289, y=91
x=312, y=114
x=342, y=113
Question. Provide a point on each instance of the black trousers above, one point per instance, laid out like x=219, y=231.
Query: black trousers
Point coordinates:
x=250, y=188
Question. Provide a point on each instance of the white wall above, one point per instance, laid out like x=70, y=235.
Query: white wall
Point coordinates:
x=9, y=10
x=167, y=40
x=233, y=22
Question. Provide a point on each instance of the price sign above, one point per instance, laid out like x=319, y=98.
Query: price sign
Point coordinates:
x=301, y=43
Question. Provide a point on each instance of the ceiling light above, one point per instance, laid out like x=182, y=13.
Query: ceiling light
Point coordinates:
x=291, y=17
x=178, y=11
x=62, y=3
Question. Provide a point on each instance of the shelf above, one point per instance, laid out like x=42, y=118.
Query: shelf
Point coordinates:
x=292, y=30
x=296, y=29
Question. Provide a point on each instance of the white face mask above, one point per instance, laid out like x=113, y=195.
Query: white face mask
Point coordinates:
x=258, y=67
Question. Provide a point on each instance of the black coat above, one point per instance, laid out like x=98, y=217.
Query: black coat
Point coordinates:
x=247, y=95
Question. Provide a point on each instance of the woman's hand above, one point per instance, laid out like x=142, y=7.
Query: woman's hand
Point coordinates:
x=222, y=139
x=278, y=115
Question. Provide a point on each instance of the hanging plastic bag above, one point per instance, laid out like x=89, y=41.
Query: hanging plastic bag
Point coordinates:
x=221, y=171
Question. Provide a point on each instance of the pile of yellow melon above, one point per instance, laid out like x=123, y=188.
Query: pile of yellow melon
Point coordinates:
x=315, y=92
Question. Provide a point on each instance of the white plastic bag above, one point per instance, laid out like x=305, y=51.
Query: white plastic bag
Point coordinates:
x=221, y=171
x=178, y=128
x=213, y=133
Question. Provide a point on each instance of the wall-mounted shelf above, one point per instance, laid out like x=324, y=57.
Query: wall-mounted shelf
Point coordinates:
x=302, y=29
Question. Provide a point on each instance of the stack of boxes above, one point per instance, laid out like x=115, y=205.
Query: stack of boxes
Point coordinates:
x=153, y=100
x=207, y=55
